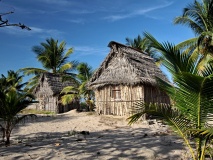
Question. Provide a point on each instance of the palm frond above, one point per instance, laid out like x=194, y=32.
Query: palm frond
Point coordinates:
x=69, y=52
x=65, y=67
x=69, y=89
x=172, y=116
x=206, y=133
x=194, y=94
x=32, y=71
x=68, y=98
x=189, y=43
x=173, y=59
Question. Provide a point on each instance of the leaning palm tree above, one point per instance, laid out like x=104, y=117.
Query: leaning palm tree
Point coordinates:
x=191, y=97
x=12, y=100
x=53, y=58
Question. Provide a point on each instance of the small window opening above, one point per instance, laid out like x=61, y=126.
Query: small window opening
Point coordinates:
x=115, y=92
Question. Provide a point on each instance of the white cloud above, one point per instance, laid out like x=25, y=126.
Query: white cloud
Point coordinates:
x=47, y=31
x=58, y=2
x=137, y=12
x=34, y=31
x=87, y=50
x=77, y=21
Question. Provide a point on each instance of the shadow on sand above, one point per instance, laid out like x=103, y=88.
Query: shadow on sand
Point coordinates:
x=124, y=143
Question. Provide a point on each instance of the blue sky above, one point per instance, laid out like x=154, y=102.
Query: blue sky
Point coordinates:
x=86, y=25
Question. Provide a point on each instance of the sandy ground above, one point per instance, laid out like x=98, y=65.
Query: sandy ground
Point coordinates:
x=59, y=137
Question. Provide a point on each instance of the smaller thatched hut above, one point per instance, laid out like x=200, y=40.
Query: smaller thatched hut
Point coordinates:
x=48, y=94
x=126, y=76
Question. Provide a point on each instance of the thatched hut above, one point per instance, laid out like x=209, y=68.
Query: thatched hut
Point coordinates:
x=48, y=94
x=126, y=76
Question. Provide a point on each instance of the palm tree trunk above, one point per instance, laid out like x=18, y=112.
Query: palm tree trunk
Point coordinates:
x=7, y=142
x=3, y=133
x=7, y=133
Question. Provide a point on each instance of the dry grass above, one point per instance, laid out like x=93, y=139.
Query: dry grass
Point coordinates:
x=34, y=111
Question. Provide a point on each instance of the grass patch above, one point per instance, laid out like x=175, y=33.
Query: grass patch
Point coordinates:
x=91, y=113
x=34, y=111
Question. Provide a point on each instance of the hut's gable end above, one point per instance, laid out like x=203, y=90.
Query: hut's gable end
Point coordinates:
x=44, y=88
x=45, y=96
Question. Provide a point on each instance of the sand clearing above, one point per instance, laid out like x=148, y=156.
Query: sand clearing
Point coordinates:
x=60, y=137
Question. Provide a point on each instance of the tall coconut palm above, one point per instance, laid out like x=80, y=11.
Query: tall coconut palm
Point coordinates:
x=84, y=74
x=12, y=100
x=51, y=54
x=191, y=97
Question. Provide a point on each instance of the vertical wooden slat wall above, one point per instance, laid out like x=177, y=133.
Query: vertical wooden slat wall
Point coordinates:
x=107, y=105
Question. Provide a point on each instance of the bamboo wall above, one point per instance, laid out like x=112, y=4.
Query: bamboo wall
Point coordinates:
x=107, y=105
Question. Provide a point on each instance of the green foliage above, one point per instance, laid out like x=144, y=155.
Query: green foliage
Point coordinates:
x=69, y=94
x=83, y=105
x=81, y=91
x=190, y=94
x=12, y=101
x=198, y=17
x=143, y=44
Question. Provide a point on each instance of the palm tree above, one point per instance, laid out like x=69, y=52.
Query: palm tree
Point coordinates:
x=191, y=96
x=53, y=58
x=12, y=81
x=84, y=74
x=198, y=17
x=136, y=43
x=143, y=44
x=11, y=103
x=12, y=100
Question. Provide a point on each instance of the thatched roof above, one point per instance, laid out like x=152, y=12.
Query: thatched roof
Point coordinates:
x=125, y=65
x=54, y=82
